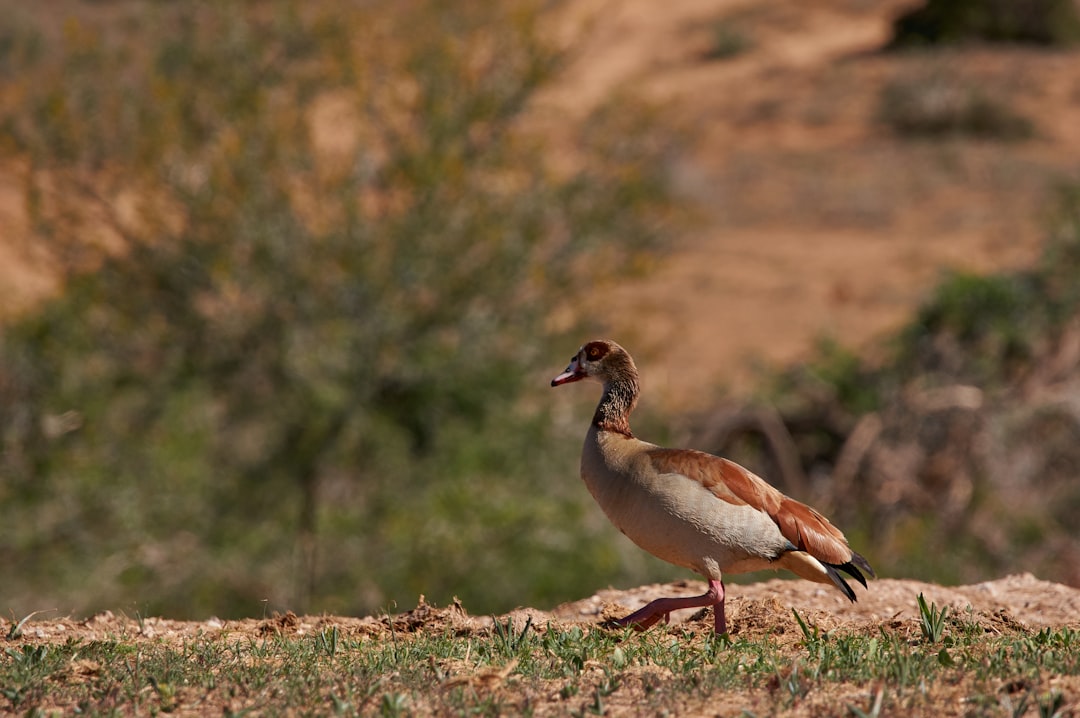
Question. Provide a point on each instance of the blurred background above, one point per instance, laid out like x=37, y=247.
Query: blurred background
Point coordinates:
x=283, y=285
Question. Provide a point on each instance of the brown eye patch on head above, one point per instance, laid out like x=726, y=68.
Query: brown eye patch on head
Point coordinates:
x=595, y=350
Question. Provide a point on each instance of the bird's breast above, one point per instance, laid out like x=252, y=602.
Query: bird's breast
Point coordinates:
x=674, y=517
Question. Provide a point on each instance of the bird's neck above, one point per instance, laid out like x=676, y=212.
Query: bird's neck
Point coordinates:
x=618, y=400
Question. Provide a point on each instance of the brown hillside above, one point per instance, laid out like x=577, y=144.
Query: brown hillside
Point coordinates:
x=815, y=219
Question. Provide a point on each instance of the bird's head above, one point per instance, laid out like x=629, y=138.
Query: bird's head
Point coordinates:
x=601, y=360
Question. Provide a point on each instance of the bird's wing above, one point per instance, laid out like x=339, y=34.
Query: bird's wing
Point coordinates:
x=804, y=527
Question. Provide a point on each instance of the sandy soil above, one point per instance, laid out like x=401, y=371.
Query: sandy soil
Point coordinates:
x=1015, y=601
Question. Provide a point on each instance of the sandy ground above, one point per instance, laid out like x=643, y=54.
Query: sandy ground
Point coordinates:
x=1015, y=601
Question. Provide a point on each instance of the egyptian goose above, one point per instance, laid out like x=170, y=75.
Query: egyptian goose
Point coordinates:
x=694, y=509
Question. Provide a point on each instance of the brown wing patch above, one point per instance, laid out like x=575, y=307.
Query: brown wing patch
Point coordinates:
x=804, y=527
x=725, y=479
x=811, y=532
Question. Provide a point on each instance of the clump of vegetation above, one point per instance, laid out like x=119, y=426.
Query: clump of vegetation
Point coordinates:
x=727, y=40
x=932, y=620
x=996, y=331
x=977, y=329
x=936, y=105
x=308, y=258
x=952, y=22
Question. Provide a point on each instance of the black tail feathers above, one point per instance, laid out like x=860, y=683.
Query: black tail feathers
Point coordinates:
x=852, y=568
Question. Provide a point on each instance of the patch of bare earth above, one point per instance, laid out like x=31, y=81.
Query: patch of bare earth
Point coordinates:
x=1020, y=601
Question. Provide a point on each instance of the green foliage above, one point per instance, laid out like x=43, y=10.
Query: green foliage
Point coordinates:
x=309, y=260
x=989, y=330
x=811, y=636
x=952, y=22
x=976, y=328
x=931, y=620
x=846, y=375
x=727, y=40
x=937, y=105
x=1059, y=264
x=983, y=329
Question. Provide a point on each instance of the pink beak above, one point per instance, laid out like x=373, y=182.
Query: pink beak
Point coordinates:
x=573, y=373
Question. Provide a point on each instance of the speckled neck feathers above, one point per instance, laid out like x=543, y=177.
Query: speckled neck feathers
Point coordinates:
x=620, y=395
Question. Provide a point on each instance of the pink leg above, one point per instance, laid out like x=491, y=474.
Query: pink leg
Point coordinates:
x=719, y=619
x=661, y=608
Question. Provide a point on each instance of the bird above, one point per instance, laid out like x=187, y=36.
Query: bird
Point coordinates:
x=695, y=509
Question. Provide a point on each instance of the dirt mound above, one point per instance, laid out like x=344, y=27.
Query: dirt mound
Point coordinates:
x=1014, y=603
x=1021, y=599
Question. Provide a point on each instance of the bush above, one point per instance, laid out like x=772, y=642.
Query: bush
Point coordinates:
x=727, y=40
x=939, y=106
x=976, y=329
x=309, y=260
x=951, y=22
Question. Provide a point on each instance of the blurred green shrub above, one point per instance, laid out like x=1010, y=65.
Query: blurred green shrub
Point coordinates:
x=994, y=330
x=985, y=330
x=937, y=105
x=727, y=40
x=951, y=22
x=309, y=258
x=978, y=329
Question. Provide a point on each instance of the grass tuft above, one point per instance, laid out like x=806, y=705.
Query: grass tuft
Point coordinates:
x=810, y=633
x=932, y=620
x=16, y=628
